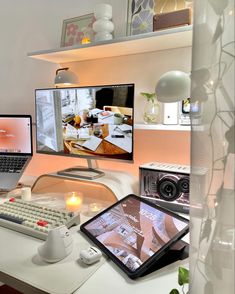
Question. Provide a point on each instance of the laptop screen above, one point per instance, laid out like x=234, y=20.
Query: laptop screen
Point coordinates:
x=15, y=135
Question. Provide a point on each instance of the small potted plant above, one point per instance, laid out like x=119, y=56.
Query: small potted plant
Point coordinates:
x=152, y=108
x=183, y=279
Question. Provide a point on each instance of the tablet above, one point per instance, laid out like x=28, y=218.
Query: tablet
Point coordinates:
x=135, y=233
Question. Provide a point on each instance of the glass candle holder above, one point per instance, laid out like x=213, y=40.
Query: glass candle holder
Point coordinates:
x=73, y=201
x=94, y=208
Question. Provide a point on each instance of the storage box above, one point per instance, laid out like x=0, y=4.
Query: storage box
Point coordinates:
x=172, y=19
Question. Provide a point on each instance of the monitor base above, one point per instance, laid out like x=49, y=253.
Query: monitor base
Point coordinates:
x=179, y=251
x=82, y=173
x=91, y=172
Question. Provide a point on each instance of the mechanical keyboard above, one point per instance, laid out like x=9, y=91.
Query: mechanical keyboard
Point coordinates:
x=33, y=219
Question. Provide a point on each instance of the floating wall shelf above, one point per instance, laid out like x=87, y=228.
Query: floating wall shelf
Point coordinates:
x=160, y=40
x=161, y=127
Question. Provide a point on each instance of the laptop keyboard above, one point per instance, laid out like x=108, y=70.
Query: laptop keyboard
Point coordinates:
x=12, y=164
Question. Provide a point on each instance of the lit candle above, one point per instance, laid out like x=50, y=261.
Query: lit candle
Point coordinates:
x=86, y=40
x=95, y=207
x=73, y=202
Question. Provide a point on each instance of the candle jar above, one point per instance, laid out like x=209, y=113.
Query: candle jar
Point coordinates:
x=26, y=193
x=94, y=208
x=73, y=201
x=88, y=35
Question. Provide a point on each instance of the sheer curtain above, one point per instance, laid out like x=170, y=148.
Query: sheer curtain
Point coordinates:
x=212, y=153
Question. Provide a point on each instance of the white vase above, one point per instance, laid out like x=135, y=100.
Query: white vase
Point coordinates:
x=103, y=10
x=103, y=26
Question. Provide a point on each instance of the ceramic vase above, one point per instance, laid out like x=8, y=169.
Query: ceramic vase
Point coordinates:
x=103, y=26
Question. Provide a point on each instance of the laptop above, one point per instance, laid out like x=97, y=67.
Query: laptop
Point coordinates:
x=15, y=148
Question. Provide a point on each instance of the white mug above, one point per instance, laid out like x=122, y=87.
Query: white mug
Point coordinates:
x=118, y=119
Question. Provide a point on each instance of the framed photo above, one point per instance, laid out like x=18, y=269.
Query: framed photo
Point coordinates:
x=77, y=30
x=140, y=16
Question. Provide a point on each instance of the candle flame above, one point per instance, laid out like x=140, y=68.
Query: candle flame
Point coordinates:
x=73, y=202
x=86, y=40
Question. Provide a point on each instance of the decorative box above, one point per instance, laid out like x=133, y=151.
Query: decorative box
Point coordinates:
x=172, y=19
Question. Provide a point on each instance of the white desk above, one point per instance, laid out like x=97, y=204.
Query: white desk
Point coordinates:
x=21, y=268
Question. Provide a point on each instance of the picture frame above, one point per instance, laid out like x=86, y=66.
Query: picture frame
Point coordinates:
x=77, y=30
x=140, y=16
x=145, y=16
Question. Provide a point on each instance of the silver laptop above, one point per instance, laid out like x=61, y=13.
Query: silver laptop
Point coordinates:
x=15, y=148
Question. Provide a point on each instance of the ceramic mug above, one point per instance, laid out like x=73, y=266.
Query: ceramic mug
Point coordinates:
x=118, y=118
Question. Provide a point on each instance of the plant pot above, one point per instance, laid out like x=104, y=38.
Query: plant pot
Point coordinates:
x=151, y=112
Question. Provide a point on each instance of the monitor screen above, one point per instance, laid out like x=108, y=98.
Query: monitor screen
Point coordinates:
x=15, y=134
x=90, y=122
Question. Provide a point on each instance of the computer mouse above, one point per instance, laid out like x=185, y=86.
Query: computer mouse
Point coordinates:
x=57, y=246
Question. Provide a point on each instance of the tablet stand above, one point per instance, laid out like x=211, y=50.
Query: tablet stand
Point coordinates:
x=178, y=251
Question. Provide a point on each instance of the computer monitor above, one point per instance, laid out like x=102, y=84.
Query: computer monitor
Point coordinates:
x=93, y=122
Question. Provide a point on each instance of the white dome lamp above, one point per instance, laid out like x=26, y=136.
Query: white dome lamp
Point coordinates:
x=173, y=86
x=65, y=77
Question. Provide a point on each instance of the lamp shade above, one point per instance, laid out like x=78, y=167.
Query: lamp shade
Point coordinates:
x=173, y=86
x=65, y=77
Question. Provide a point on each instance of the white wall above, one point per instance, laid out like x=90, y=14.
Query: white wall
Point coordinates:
x=31, y=25
x=144, y=70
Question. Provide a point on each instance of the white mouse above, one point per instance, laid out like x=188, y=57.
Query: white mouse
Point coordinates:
x=57, y=246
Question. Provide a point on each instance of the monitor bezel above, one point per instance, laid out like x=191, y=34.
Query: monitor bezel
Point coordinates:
x=91, y=157
x=31, y=134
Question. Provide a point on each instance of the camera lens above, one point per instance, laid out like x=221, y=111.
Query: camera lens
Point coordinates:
x=183, y=185
x=168, y=189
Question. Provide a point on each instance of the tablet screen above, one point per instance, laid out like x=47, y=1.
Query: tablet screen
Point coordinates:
x=134, y=230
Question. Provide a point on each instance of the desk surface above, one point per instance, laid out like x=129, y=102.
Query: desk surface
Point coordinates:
x=20, y=267
x=105, y=148
x=19, y=261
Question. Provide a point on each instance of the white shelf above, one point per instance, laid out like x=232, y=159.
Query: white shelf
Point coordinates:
x=160, y=127
x=160, y=40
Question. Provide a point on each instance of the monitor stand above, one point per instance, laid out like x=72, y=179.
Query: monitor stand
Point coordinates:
x=90, y=173
x=179, y=251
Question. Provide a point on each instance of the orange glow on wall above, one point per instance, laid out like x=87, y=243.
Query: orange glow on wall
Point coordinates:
x=143, y=70
x=161, y=146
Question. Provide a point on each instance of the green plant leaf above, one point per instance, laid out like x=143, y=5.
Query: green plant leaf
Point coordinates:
x=174, y=291
x=183, y=276
x=149, y=96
